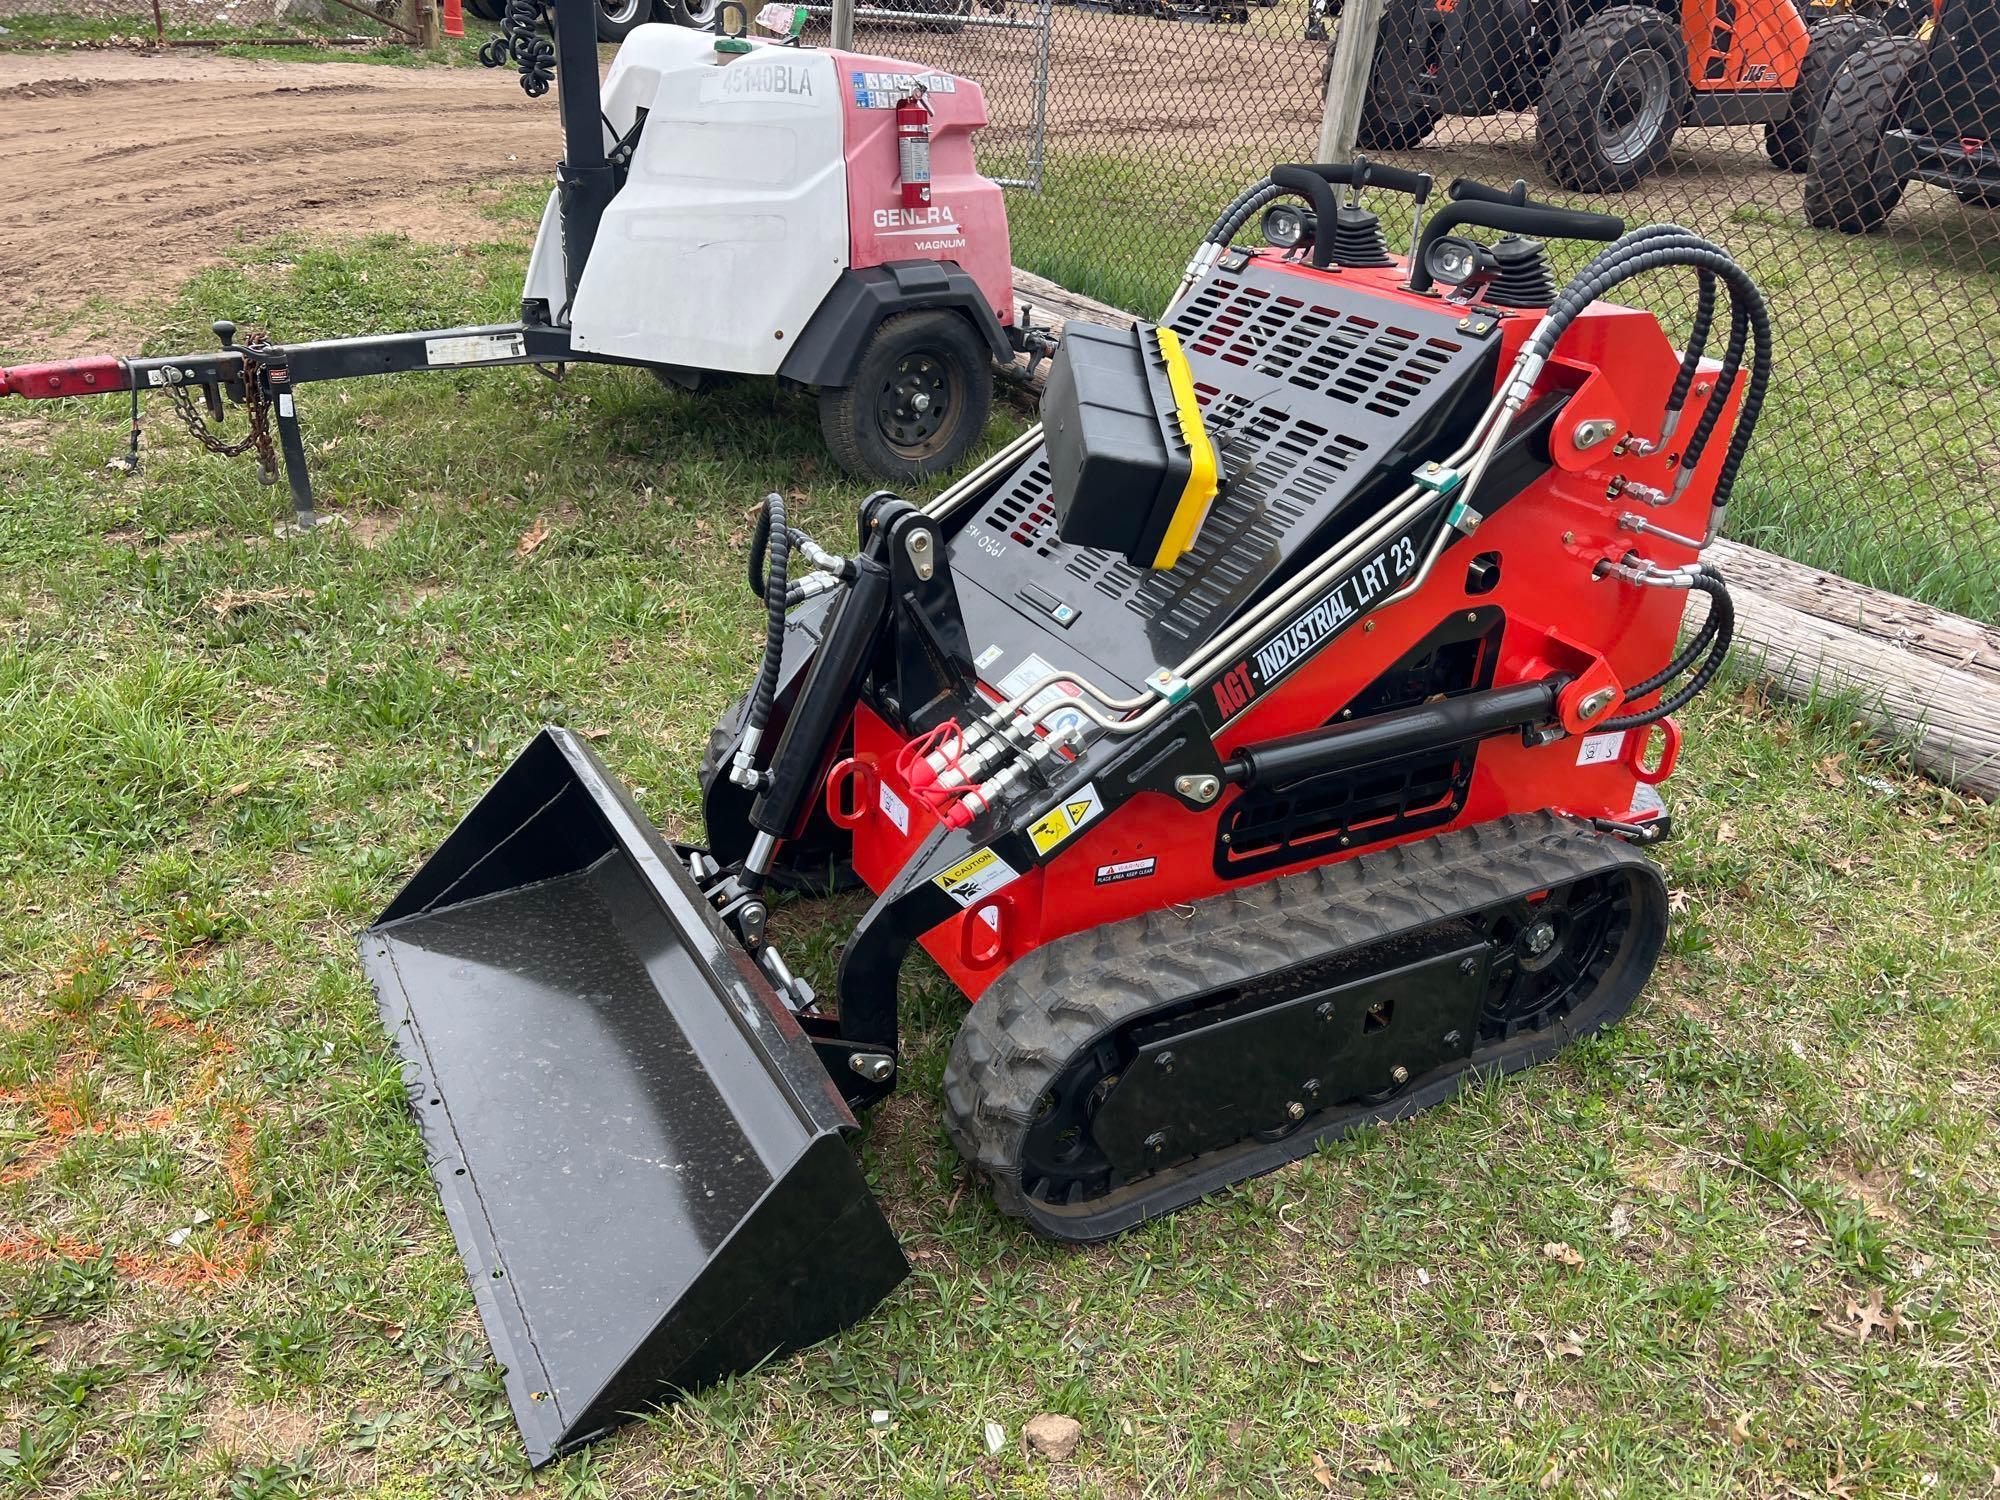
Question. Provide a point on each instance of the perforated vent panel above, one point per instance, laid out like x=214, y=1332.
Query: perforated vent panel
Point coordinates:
x=1320, y=400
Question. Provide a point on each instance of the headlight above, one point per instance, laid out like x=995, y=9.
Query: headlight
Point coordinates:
x=1287, y=227
x=1453, y=260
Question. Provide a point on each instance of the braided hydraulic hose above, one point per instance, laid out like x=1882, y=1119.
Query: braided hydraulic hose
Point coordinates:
x=773, y=538
x=1708, y=647
x=1649, y=250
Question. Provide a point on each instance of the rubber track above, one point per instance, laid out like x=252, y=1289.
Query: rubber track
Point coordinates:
x=1061, y=998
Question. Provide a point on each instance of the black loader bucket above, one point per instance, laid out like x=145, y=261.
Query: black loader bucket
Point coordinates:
x=638, y=1151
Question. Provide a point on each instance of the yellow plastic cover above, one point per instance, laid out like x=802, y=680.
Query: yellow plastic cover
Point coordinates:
x=1192, y=507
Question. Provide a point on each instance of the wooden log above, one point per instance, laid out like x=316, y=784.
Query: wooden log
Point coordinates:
x=1928, y=678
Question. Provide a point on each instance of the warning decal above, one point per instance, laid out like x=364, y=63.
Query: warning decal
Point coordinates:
x=1065, y=818
x=1596, y=749
x=1126, y=869
x=976, y=877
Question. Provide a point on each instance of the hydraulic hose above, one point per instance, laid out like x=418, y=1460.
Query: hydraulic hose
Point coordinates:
x=774, y=538
x=1704, y=652
x=1654, y=249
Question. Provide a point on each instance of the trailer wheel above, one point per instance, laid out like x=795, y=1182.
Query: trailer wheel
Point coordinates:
x=617, y=19
x=1613, y=100
x=696, y=14
x=486, y=10
x=1829, y=44
x=918, y=400
x=1850, y=184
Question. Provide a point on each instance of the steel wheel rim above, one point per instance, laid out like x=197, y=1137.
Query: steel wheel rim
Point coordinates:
x=1632, y=110
x=618, y=12
x=918, y=404
x=699, y=12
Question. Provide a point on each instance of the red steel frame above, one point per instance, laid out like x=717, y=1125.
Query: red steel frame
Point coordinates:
x=1559, y=619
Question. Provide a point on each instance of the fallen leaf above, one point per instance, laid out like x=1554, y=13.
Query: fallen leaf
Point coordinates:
x=1053, y=1435
x=1861, y=1319
x=1321, y=1472
x=232, y=602
x=533, y=537
x=1561, y=1253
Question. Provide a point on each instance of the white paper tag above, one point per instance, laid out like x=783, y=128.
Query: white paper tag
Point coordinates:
x=474, y=348
x=1597, y=749
x=284, y=403
x=893, y=807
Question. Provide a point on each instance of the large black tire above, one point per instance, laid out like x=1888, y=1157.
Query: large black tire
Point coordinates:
x=918, y=401
x=697, y=14
x=1613, y=98
x=1392, y=119
x=486, y=10
x=1979, y=194
x=1850, y=184
x=1829, y=44
x=617, y=19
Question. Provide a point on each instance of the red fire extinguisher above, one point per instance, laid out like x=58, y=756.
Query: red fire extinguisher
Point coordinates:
x=913, y=148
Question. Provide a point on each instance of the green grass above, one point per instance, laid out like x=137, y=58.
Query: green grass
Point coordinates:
x=1878, y=455
x=221, y=753
x=55, y=29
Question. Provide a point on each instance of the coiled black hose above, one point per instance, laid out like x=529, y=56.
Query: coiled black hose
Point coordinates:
x=1654, y=249
x=1704, y=652
x=770, y=541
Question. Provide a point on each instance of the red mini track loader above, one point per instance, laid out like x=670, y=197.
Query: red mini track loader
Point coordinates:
x=1266, y=743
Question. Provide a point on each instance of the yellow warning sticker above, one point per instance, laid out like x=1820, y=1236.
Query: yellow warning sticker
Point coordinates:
x=1065, y=818
x=975, y=877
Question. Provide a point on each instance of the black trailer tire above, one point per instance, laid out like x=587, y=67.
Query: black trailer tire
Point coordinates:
x=486, y=10
x=1850, y=184
x=918, y=401
x=1612, y=101
x=698, y=15
x=618, y=19
x=947, y=17
x=1829, y=44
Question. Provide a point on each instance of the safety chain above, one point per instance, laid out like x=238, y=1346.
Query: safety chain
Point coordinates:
x=255, y=407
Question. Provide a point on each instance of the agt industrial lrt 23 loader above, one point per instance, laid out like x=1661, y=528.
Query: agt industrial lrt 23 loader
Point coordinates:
x=1266, y=744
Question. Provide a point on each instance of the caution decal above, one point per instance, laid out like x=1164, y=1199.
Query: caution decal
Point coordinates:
x=976, y=877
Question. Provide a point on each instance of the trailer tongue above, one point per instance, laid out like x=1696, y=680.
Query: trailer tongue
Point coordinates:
x=639, y=1153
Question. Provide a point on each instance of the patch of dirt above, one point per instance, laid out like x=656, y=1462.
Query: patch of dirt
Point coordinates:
x=251, y=1432
x=147, y=167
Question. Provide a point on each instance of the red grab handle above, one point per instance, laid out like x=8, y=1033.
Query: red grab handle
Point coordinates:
x=1636, y=745
x=982, y=935
x=849, y=772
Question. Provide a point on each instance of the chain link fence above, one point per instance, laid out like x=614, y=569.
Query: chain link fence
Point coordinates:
x=1848, y=155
